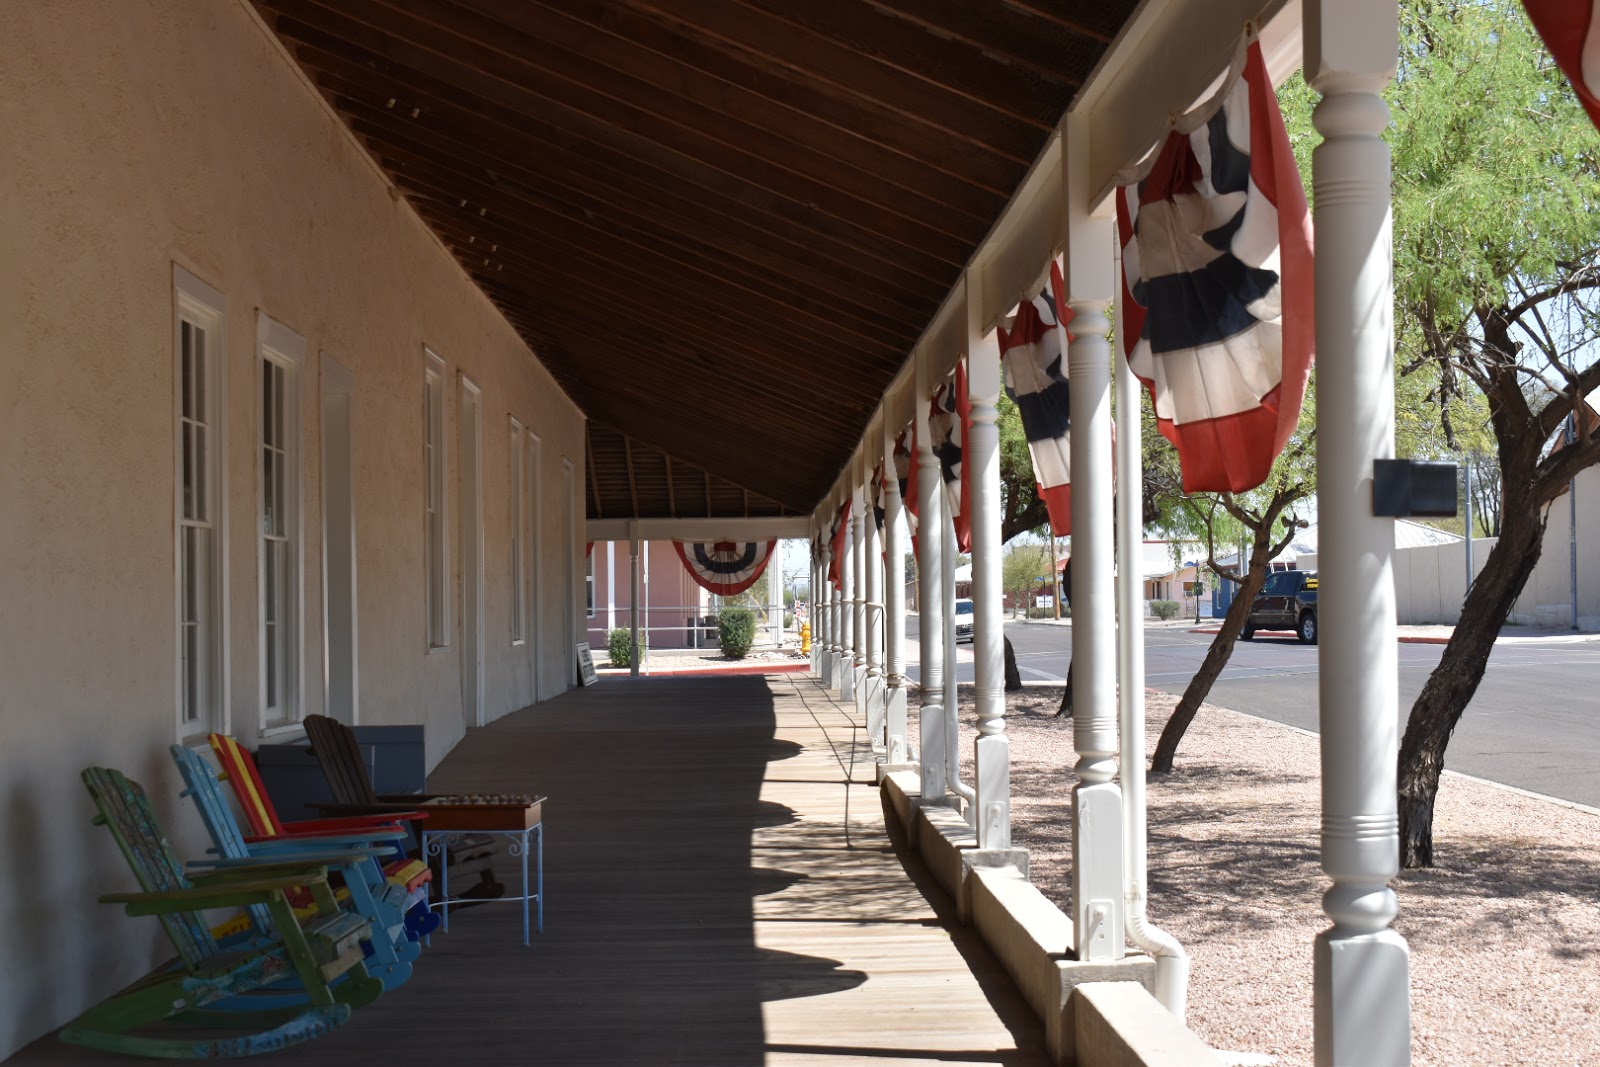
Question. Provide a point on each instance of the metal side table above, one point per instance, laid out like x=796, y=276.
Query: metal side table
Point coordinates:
x=449, y=822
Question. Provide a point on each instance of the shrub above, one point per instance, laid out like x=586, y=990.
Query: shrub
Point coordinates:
x=737, y=628
x=1164, y=609
x=619, y=646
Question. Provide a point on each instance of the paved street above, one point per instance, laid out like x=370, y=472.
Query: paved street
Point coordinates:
x=1534, y=723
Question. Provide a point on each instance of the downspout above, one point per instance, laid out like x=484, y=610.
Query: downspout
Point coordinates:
x=1172, y=962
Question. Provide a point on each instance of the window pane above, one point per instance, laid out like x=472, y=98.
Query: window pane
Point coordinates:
x=186, y=361
x=191, y=505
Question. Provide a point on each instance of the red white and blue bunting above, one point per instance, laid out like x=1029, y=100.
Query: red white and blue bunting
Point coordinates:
x=1217, y=284
x=1571, y=30
x=949, y=428
x=836, y=540
x=1033, y=354
x=726, y=568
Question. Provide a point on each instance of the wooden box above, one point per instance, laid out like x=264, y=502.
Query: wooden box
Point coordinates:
x=481, y=812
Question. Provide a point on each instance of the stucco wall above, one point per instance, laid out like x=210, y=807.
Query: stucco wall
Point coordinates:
x=139, y=134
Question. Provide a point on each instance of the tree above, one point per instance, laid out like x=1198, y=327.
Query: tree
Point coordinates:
x=1021, y=568
x=1497, y=268
x=1022, y=508
x=1264, y=516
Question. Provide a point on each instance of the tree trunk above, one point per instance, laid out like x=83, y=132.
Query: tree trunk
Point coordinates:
x=1065, y=710
x=1013, y=676
x=1451, y=685
x=1217, y=655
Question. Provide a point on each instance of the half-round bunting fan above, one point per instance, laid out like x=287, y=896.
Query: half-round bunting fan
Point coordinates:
x=725, y=567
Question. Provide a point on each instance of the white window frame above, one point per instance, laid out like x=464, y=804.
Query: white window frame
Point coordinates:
x=435, y=504
x=203, y=308
x=519, y=533
x=283, y=705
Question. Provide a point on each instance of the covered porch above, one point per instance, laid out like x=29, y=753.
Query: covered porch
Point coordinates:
x=721, y=892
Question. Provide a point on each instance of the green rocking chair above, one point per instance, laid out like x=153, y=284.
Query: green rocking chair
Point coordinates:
x=172, y=1013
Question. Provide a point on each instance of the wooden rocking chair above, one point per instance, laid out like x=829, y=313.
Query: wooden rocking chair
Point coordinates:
x=365, y=888
x=339, y=754
x=174, y=1013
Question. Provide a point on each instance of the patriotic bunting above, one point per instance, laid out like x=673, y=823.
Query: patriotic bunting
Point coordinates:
x=905, y=471
x=1217, y=284
x=1571, y=30
x=950, y=426
x=1033, y=353
x=836, y=539
x=726, y=568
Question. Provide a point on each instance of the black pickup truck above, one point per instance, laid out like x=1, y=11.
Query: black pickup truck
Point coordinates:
x=1287, y=602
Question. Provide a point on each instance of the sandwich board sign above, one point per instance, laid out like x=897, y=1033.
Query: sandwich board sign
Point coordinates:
x=586, y=673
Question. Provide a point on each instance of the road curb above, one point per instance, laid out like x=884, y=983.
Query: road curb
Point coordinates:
x=1404, y=639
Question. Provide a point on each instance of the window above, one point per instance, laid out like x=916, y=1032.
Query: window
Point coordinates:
x=437, y=560
x=280, y=354
x=200, y=551
x=519, y=559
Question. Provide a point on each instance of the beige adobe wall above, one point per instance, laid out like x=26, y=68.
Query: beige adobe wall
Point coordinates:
x=139, y=134
x=1431, y=581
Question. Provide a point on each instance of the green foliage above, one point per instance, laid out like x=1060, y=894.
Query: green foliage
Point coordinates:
x=619, y=646
x=1020, y=570
x=1164, y=609
x=737, y=629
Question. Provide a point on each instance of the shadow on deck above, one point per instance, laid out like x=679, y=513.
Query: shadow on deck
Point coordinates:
x=717, y=895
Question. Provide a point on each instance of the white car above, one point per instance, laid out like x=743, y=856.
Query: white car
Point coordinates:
x=964, y=615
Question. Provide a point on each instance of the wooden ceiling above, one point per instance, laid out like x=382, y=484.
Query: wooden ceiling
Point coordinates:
x=721, y=224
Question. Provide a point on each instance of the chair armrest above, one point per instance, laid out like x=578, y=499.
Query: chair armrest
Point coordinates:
x=280, y=873
x=354, y=824
x=407, y=811
x=238, y=891
x=330, y=858
x=265, y=846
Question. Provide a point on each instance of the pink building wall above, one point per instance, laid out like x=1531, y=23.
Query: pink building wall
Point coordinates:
x=670, y=597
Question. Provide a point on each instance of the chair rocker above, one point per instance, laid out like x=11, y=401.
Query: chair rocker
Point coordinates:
x=382, y=903
x=174, y=1013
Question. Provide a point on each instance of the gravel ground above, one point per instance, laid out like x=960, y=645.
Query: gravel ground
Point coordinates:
x=1504, y=932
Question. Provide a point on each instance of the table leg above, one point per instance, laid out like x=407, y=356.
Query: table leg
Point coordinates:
x=523, y=855
x=540, y=869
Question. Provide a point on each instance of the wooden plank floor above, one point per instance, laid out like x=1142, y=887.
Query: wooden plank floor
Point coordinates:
x=720, y=892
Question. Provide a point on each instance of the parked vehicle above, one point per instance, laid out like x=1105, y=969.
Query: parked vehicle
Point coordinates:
x=964, y=616
x=1288, y=601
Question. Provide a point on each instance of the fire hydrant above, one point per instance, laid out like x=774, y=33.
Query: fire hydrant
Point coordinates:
x=805, y=639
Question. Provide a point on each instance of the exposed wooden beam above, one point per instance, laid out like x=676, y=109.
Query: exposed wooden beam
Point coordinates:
x=594, y=480
x=857, y=80
x=1024, y=40
x=633, y=488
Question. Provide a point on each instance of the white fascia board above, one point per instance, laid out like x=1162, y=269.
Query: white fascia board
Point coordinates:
x=1190, y=45
x=764, y=529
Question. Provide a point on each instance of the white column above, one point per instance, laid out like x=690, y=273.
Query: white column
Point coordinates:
x=894, y=604
x=775, y=593
x=872, y=691
x=633, y=605
x=1362, y=1006
x=860, y=523
x=963, y=794
x=611, y=586
x=931, y=619
x=849, y=631
x=993, y=752
x=1097, y=860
